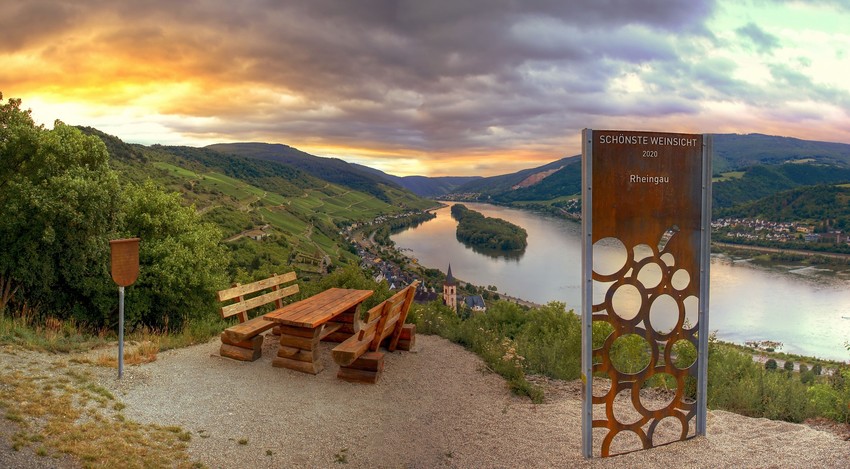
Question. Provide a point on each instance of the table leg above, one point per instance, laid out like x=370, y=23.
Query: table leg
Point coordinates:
x=299, y=349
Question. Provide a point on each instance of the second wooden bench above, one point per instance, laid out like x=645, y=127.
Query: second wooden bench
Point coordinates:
x=358, y=356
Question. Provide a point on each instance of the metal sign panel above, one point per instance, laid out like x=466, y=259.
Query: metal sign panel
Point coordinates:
x=646, y=227
x=124, y=260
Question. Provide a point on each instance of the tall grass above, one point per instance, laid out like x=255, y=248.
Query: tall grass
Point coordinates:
x=514, y=341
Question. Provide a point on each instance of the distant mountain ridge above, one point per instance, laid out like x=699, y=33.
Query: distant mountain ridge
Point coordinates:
x=737, y=151
x=761, y=157
x=423, y=186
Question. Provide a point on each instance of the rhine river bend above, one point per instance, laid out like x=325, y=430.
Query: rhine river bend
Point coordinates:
x=806, y=311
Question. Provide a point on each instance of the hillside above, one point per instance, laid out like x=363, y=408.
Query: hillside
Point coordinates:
x=761, y=181
x=811, y=203
x=329, y=169
x=273, y=216
x=737, y=151
x=501, y=184
x=746, y=168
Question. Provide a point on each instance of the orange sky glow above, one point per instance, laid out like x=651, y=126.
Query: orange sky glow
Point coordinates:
x=429, y=88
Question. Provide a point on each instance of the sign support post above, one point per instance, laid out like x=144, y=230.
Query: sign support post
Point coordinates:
x=125, y=271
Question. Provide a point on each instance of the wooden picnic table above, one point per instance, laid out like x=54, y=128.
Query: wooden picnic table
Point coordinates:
x=305, y=323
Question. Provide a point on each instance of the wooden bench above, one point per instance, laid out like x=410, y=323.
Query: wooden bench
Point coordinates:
x=358, y=356
x=244, y=341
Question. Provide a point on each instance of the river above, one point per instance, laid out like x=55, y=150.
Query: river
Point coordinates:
x=801, y=308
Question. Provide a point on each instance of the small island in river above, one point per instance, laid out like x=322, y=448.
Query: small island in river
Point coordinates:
x=477, y=230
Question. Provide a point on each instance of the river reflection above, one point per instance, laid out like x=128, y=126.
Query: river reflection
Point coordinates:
x=804, y=312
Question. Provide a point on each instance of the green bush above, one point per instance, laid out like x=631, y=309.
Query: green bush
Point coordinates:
x=788, y=366
x=62, y=204
x=182, y=262
x=770, y=364
x=738, y=384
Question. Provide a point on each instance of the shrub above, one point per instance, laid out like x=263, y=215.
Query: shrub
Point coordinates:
x=817, y=369
x=770, y=365
x=60, y=202
x=788, y=366
x=807, y=377
x=182, y=262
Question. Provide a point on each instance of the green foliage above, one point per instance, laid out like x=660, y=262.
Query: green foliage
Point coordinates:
x=182, y=263
x=63, y=203
x=821, y=203
x=831, y=399
x=788, y=366
x=59, y=201
x=486, y=232
x=762, y=181
x=512, y=340
x=740, y=385
x=770, y=365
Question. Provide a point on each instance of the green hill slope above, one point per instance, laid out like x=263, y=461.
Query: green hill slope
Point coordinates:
x=816, y=204
x=329, y=169
x=275, y=217
x=761, y=181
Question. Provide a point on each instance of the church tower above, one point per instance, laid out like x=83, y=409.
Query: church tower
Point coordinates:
x=450, y=290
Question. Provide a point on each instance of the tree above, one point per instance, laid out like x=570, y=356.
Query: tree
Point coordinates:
x=62, y=203
x=770, y=365
x=59, y=199
x=182, y=262
x=788, y=366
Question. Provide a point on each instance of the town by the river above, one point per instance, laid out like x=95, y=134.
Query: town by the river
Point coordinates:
x=805, y=309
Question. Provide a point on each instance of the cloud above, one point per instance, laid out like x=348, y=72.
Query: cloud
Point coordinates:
x=428, y=80
x=763, y=41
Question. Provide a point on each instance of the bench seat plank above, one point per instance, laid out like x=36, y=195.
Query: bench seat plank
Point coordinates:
x=248, y=329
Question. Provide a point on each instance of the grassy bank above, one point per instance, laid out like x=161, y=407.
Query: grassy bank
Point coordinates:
x=515, y=341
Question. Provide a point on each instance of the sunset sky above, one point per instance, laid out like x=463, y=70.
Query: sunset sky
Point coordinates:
x=431, y=87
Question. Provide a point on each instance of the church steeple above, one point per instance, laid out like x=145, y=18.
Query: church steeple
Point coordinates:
x=450, y=280
x=450, y=290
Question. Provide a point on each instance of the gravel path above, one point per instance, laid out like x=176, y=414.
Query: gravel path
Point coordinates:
x=436, y=406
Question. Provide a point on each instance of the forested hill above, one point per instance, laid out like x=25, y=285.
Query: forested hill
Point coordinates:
x=329, y=169
x=822, y=204
x=272, y=217
x=504, y=183
x=760, y=181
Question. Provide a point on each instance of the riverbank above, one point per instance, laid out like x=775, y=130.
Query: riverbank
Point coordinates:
x=799, y=252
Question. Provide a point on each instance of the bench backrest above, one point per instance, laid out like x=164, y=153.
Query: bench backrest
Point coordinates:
x=242, y=305
x=391, y=315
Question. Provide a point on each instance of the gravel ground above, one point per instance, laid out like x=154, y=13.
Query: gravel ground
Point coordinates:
x=436, y=406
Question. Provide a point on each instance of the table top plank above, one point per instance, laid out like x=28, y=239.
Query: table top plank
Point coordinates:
x=320, y=308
